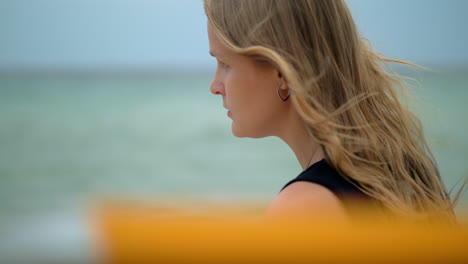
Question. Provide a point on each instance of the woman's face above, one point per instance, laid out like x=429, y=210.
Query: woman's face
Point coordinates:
x=248, y=89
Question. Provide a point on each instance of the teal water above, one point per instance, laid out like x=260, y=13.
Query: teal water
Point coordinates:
x=68, y=140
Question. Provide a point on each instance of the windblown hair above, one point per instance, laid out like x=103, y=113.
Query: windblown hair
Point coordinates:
x=350, y=104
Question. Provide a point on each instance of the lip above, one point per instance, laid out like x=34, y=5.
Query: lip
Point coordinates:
x=229, y=113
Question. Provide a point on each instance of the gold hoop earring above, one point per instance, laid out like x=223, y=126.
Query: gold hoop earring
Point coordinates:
x=277, y=91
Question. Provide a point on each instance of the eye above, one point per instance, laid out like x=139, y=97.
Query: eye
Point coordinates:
x=223, y=65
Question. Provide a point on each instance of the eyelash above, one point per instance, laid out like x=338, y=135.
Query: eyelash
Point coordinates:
x=224, y=65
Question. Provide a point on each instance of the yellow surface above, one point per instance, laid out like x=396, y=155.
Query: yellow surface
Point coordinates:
x=138, y=234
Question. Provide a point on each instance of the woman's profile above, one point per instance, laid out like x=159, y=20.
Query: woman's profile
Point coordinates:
x=299, y=70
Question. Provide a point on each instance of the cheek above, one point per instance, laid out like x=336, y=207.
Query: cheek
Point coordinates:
x=255, y=97
x=249, y=91
x=238, y=88
x=232, y=85
x=261, y=90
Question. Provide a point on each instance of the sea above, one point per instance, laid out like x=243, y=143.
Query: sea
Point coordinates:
x=68, y=140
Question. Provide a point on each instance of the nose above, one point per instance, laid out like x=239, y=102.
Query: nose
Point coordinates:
x=217, y=87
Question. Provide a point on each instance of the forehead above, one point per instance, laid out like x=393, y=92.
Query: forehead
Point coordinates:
x=217, y=48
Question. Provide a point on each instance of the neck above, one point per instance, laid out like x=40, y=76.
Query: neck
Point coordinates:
x=298, y=139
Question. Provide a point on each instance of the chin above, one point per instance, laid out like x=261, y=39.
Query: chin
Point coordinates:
x=236, y=132
x=244, y=134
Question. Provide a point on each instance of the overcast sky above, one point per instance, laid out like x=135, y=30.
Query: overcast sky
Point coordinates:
x=77, y=34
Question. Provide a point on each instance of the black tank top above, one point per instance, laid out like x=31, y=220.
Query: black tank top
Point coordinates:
x=322, y=173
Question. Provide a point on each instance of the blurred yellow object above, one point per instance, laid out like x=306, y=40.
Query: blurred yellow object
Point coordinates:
x=140, y=234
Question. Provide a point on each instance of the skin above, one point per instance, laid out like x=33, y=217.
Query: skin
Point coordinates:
x=248, y=89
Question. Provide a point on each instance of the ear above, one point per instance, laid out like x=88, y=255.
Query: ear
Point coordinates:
x=283, y=80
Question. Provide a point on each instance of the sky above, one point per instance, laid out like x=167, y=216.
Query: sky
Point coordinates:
x=138, y=34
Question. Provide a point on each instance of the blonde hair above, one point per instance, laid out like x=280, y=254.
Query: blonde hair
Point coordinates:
x=348, y=101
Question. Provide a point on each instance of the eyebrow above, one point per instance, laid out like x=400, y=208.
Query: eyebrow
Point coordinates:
x=217, y=56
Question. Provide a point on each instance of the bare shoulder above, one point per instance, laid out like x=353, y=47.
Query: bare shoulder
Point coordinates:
x=306, y=199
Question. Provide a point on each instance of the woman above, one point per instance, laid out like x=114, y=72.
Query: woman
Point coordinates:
x=298, y=70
